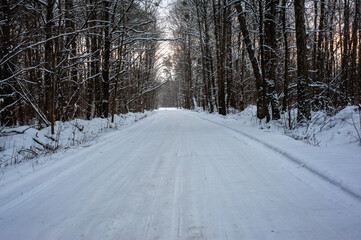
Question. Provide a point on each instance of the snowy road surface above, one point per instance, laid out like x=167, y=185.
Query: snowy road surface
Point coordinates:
x=176, y=176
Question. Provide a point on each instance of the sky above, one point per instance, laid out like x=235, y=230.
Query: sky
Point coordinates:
x=165, y=48
x=164, y=7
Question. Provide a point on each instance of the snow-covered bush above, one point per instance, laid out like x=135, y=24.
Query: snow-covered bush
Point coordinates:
x=25, y=142
x=324, y=129
x=321, y=130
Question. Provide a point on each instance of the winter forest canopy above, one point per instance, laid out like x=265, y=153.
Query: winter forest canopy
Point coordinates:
x=66, y=59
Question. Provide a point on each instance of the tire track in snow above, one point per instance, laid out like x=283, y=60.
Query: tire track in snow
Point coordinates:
x=154, y=197
x=150, y=217
x=28, y=195
x=40, y=188
x=178, y=190
x=289, y=156
x=91, y=151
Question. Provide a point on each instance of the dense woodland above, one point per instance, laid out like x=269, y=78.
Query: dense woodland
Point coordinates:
x=276, y=54
x=66, y=59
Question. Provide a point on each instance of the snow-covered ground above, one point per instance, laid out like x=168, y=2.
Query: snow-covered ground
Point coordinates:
x=328, y=146
x=185, y=175
x=26, y=143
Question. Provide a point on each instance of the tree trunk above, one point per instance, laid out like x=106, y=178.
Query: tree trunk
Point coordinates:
x=231, y=102
x=106, y=62
x=303, y=101
x=286, y=99
x=355, y=82
x=358, y=89
x=270, y=56
x=71, y=44
x=345, y=78
x=261, y=107
x=203, y=60
x=93, y=88
x=209, y=61
x=7, y=117
x=49, y=58
x=220, y=49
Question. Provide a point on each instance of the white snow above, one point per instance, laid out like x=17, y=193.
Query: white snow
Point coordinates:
x=174, y=175
x=17, y=147
x=337, y=156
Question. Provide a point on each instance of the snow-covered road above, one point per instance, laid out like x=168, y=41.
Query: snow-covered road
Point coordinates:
x=176, y=176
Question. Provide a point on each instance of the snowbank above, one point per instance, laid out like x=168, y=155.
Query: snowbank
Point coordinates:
x=25, y=142
x=323, y=130
x=329, y=146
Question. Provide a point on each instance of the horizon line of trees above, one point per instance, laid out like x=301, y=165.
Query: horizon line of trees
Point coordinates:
x=276, y=54
x=66, y=59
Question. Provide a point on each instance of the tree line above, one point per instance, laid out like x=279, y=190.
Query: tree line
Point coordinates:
x=66, y=59
x=276, y=54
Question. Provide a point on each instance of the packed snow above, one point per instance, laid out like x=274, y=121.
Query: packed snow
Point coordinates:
x=183, y=175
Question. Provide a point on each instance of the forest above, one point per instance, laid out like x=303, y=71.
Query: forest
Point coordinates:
x=180, y=119
x=280, y=55
x=67, y=59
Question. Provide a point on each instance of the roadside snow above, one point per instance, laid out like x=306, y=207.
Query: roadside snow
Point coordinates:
x=336, y=156
x=323, y=130
x=25, y=142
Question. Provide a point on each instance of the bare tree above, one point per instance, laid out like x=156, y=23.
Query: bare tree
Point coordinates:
x=303, y=101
